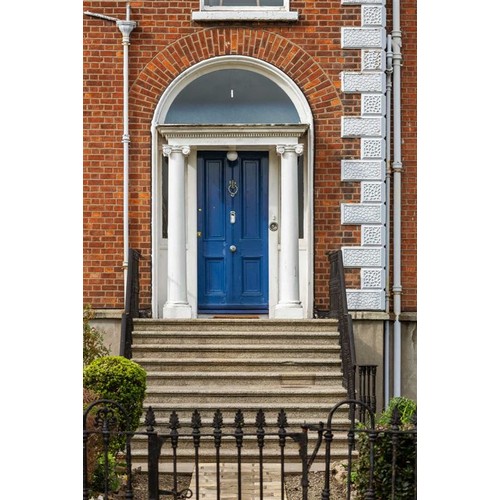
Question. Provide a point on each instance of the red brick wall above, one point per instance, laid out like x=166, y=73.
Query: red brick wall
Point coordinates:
x=165, y=43
x=409, y=156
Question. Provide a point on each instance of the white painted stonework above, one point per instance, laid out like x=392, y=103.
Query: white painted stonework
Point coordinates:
x=362, y=170
x=372, y=15
x=370, y=169
x=372, y=235
x=372, y=192
x=362, y=213
x=372, y=104
x=372, y=149
x=363, y=257
x=362, y=38
x=360, y=126
x=353, y=82
x=372, y=60
x=360, y=2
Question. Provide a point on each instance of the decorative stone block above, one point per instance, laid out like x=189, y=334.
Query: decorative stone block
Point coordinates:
x=354, y=213
x=363, y=257
x=372, y=278
x=372, y=192
x=373, y=104
x=361, y=126
x=353, y=82
x=372, y=235
x=359, y=2
x=372, y=60
x=362, y=38
x=372, y=15
x=362, y=170
x=364, y=300
x=373, y=149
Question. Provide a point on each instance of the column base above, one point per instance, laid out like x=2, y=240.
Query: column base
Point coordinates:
x=289, y=311
x=177, y=311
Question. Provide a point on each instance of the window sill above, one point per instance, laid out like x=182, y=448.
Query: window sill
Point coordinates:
x=245, y=16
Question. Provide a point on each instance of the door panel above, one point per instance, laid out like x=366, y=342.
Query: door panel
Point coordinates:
x=232, y=232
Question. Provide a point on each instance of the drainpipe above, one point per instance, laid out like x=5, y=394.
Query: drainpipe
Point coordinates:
x=387, y=331
x=126, y=27
x=397, y=167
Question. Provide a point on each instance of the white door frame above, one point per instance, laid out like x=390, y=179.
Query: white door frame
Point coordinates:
x=223, y=137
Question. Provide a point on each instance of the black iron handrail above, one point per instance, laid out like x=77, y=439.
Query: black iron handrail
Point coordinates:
x=131, y=303
x=338, y=309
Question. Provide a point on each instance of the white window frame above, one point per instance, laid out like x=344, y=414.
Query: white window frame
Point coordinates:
x=245, y=13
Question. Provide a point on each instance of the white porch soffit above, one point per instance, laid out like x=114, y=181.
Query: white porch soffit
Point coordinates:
x=246, y=135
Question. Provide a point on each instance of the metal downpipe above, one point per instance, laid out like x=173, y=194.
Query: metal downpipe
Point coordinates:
x=397, y=167
x=126, y=27
x=387, y=325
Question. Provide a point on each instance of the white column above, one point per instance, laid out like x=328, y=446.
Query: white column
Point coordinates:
x=177, y=305
x=289, y=305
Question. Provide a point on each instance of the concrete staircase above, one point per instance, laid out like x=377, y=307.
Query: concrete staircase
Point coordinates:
x=246, y=364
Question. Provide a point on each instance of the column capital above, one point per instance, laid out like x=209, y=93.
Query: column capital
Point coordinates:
x=297, y=149
x=168, y=149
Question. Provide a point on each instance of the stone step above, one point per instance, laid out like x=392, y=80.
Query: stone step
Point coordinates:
x=235, y=325
x=312, y=413
x=228, y=452
x=247, y=364
x=238, y=338
x=284, y=364
x=261, y=351
x=227, y=394
x=243, y=378
x=341, y=421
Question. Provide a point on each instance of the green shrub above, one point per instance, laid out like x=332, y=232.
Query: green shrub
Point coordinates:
x=383, y=455
x=94, y=441
x=121, y=380
x=98, y=483
x=93, y=339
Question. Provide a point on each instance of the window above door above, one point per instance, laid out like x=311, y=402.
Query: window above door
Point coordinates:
x=245, y=10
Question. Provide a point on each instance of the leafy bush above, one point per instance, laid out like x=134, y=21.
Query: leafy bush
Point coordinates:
x=102, y=474
x=93, y=339
x=121, y=380
x=94, y=442
x=383, y=455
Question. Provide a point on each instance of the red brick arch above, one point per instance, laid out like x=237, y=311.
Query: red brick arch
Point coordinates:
x=317, y=86
x=263, y=45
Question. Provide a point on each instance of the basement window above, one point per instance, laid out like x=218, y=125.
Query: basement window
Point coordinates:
x=245, y=10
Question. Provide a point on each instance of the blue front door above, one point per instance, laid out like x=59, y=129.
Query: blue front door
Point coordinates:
x=232, y=233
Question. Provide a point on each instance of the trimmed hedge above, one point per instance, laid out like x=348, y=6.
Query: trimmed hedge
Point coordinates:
x=121, y=380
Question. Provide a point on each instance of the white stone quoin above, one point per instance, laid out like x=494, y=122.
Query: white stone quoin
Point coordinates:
x=289, y=305
x=177, y=305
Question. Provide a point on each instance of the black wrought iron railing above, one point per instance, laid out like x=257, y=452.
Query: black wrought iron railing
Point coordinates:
x=131, y=303
x=338, y=309
x=386, y=456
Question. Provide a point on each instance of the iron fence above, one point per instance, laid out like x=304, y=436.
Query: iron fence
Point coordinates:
x=386, y=457
x=338, y=309
x=131, y=309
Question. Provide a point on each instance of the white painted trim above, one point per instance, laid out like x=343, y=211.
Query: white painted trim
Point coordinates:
x=245, y=15
x=257, y=137
x=285, y=6
x=234, y=62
